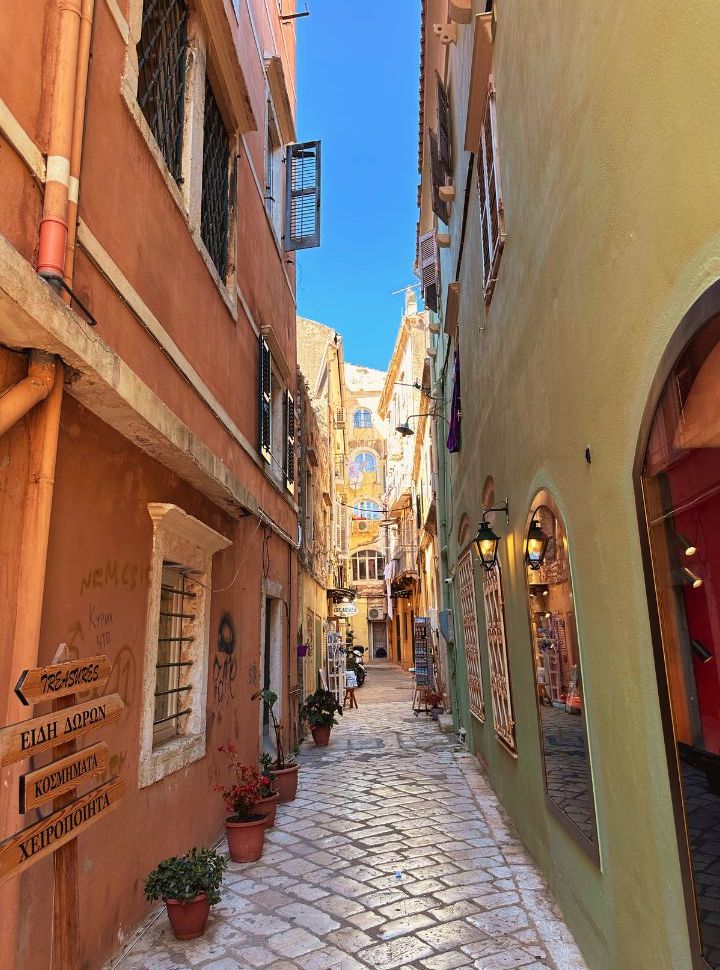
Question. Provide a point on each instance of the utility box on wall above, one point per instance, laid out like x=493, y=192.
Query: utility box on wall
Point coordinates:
x=447, y=625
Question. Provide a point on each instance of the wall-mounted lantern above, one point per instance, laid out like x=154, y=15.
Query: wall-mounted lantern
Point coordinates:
x=486, y=541
x=536, y=547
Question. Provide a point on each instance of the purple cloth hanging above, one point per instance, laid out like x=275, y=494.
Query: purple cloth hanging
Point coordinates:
x=453, y=438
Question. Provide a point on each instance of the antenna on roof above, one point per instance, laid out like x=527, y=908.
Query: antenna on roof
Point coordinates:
x=404, y=289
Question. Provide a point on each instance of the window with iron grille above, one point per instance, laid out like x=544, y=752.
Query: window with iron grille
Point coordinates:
x=470, y=637
x=215, y=201
x=176, y=631
x=161, y=54
x=492, y=220
x=503, y=720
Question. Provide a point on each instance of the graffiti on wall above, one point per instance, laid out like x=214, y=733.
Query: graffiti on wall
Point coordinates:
x=225, y=662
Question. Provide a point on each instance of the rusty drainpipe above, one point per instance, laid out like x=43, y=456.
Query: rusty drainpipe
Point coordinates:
x=67, y=116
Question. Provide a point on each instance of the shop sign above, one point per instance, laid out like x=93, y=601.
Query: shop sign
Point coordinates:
x=35, y=842
x=38, y=734
x=59, y=680
x=344, y=609
x=59, y=777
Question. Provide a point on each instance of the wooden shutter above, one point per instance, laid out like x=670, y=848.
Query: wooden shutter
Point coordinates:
x=492, y=219
x=302, y=196
x=289, y=442
x=264, y=400
x=439, y=206
x=427, y=269
x=443, y=125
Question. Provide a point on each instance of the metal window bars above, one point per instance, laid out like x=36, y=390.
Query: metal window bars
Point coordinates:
x=175, y=629
x=215, y=203
x=161, y=54
x=470, y=637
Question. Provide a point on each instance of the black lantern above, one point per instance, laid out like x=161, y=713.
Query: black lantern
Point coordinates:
x=537, y=543
x=486, y=544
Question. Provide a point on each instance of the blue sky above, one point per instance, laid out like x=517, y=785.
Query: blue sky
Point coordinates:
x=358, y=92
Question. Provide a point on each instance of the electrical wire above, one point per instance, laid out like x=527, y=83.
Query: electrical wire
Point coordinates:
x=224, y=589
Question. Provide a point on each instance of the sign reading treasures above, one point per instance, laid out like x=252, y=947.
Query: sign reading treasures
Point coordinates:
x=60, y=778
x=59, y=680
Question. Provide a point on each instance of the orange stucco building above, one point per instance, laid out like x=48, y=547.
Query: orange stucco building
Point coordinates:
x=147, y=467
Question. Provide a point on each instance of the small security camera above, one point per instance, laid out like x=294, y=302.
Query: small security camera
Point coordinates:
x=449, y=579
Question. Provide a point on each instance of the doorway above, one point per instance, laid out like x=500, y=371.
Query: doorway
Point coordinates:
x=678, y=477
x=378, y=637
x=271, y=669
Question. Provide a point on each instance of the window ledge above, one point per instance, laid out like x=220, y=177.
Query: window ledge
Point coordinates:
x=187, y=527
x=170, y=757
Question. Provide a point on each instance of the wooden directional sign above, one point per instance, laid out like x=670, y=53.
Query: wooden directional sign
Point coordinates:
x=59, y=777
x=58, y=680
x=20, y=851
x=27, y=738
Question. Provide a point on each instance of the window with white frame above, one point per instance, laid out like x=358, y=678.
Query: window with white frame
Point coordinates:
x=368, y=564
x=468, y=609
x=276, y=420
x=174, y=697
x=502, y=708
x=366, y=509
x=492, y=219
x=273, y=170
x=362, y=418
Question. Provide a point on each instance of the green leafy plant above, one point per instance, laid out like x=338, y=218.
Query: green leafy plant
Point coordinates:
x=185, y=877
x=269, y=699
x=320, y=708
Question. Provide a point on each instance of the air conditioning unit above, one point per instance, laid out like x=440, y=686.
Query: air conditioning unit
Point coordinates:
x=340, y=418
x=376, y=613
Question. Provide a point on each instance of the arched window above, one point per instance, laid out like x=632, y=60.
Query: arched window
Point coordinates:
x=366, y=509
x=558, y=681
x=362, y=418
x=681, y=492
x=367, y=564
x=364, y=463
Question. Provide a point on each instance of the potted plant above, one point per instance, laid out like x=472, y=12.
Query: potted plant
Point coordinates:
x=285, y=770
x=189, y=885
x=319, y=711
x=268, y=803
x=245, y=825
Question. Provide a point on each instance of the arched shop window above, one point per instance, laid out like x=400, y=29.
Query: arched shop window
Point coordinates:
x=366, y=509
x=558, y=681
x=681, y=491
x=367, y=564
x=362, y=418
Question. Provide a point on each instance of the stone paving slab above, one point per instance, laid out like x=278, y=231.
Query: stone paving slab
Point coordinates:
x=402, y=859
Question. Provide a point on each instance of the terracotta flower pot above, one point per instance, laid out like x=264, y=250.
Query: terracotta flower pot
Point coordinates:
x=321, y=734
x=246, y=839
x=286, y=780
x=268, y=807
x=188, y=918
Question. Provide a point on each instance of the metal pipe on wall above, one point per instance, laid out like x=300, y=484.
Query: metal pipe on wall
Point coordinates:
x=23, y=396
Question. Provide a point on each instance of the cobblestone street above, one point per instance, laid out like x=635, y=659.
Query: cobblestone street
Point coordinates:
x=394, y=854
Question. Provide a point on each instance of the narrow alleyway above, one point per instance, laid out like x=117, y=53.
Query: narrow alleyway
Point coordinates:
x=394, y=854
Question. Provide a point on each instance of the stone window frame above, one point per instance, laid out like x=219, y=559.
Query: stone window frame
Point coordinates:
x=177, y=537
x=188, y=195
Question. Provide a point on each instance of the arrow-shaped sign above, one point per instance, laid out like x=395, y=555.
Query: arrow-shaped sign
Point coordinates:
x=58, y=680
